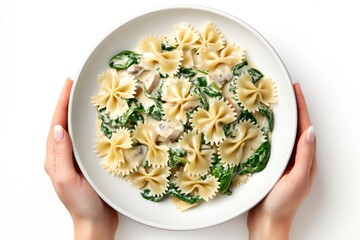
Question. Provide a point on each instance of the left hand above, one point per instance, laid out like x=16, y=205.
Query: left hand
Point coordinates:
x=90, y=214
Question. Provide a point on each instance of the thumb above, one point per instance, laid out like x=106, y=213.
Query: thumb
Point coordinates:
x=64, y=164
x=305, y=154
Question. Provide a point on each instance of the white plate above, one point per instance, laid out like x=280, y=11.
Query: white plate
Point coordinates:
x=127, y=199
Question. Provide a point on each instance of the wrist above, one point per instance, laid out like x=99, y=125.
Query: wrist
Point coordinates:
x=92, y=230
x=268, y=227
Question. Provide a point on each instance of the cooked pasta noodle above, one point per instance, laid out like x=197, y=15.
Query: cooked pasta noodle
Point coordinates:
x=211, y=122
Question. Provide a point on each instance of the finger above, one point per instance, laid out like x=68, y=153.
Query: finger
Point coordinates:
x=303, y=114
x=60, y=114
x=305, y=155
x=63, y=155
x=314, y=167
x=303, y=120
x=59, y=117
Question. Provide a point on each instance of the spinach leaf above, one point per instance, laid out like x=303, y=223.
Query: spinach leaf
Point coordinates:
x=167, y=47
x=129, y=119
x=257, y=162
x=202, y=97
x=213, y=90
x=200, y=82
x=268, y=113
x=245, y=115
x=239, y=68
x=155, y=111
x=255, y=74
x=201, y=88
x=123, y=60
x=146, y=193
x=188, y=198
x=187, y=124
x=172, y=191
x=176, y=158
x=108, y=126
x=132, y=116
x=228, y=129
x=186, y=72
x=223, y=173
x=106, y=131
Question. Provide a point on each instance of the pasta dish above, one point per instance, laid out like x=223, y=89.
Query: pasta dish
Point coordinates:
x=184, y=116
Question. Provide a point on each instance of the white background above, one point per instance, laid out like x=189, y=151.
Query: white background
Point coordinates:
x=44, y=42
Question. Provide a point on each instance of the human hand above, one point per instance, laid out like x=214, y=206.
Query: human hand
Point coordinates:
x=272, y=217
x=92, y=217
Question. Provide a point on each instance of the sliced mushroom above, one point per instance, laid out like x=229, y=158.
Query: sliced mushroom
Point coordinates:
x=138, y=87
x=189, y=105
x=168, y=132
x=136, y=154
x=135, y=70
x=221, y=75
x=151, y=81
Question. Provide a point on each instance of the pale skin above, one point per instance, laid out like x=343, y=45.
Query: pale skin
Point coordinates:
x=272, y=217
x=94, y=219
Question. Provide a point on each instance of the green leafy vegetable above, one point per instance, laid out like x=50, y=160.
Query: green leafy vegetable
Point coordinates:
x=129, y=119
x=224, y=174
x=167, y=47
x=200, y=82
x=245, y=115
x=108, y=126
x=255, y=74
x=186, y=72
x=239, y=68
x=132, y=116
x=188, y=198
x=268, y=113
x=146, y=193
x=257, y=162
x=124, y=59
x=201, y=88
x=176, y=157
x=172, y=191
x=155, y=111
x=213, y=90
x=228, y=129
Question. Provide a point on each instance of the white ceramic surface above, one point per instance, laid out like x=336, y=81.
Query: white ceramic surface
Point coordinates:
x=127, y=199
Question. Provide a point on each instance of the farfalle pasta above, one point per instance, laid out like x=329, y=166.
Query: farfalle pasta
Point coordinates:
x=168, y=62
x=206, y=188
x=210, y=122
x=113, y=92
x=199, y=160
x=184, y=116
x=210, y=38
x=229, y=55
x=157, y=154
x=239, y=147
x=153, y=178
x=178, y=99
x=252, y=95
x=186, y=40
x=114, y=152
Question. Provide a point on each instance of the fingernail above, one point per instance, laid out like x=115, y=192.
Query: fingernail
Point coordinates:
x=310, y=135
x=58, y=133
x=294, y=81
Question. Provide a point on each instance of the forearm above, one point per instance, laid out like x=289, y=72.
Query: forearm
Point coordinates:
x=86, y=230
x=264, y=228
